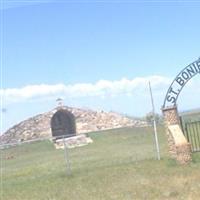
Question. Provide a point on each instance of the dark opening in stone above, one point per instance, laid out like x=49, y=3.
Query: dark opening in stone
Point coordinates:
x=63, y=124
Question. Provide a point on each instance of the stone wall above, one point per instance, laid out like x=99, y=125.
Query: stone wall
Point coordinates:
x=171, y=115
x=170, y=118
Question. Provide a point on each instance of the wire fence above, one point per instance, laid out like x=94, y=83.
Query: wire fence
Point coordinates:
x=43, y=157
x=112, y=146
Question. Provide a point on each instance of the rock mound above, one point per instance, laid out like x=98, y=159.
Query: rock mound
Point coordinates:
x=86, y=121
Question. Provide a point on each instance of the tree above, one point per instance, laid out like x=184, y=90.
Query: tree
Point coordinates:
x=149, y=118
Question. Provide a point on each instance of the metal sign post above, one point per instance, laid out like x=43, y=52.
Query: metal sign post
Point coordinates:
x=154, y=123
x=67, y=157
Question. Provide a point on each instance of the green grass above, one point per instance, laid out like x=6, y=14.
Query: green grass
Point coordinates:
x=119, y=165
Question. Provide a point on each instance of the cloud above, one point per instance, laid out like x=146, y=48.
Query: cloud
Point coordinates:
x=130, y=96
x=102, y=88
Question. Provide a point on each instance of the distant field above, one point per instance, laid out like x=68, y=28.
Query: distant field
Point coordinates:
x=119, y=165
x=191, y=116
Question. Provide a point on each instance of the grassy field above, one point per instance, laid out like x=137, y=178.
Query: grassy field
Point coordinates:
x=120, y=165
x=191, y=116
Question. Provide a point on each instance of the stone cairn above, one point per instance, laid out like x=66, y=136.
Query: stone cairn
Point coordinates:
x=86, y=121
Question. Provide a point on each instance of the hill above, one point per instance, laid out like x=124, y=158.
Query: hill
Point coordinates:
x=86, y=121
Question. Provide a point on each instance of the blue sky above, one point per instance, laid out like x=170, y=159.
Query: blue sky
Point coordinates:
x=86, y=47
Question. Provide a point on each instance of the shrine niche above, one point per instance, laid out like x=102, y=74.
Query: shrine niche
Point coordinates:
x=63, y=124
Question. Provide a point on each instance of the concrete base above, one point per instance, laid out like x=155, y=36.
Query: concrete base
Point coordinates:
x=72, y=142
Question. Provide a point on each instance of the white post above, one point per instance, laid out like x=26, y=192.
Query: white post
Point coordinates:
x=67, y=157
x=154, y=124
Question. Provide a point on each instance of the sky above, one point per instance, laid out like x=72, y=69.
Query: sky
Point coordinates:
x=95, y=54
